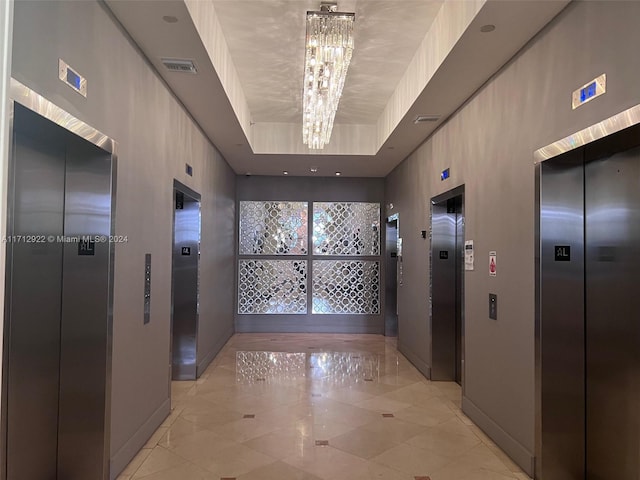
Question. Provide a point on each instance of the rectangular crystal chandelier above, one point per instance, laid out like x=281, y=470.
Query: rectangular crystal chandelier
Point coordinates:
x=329, y=46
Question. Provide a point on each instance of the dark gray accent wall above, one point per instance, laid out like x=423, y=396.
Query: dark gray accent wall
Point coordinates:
x=489, y=145
x=310, y=189
x=128, y=101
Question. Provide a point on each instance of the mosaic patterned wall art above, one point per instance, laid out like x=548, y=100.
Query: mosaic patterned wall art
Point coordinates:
x=346, y=228
x=346, y=286
x=273, y=228
x=272, y=286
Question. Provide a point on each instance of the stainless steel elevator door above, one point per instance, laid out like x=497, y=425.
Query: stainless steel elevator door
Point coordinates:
x=84, y=357
x=36, y=285
x=612, y=233
x=185, y=287
x=391, y=283
x=447, y=239
x=562, y=438
x=58, y=331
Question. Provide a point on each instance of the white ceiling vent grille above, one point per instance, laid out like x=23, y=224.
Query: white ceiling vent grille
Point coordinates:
x=426, y=118
x=179, y=65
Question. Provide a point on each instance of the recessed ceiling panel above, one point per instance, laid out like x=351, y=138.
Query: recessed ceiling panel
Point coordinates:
x=266, y=41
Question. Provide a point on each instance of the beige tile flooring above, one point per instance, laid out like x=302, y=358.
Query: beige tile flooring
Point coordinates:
x=302, y=389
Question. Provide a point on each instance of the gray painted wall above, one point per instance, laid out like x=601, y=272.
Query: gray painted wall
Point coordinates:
x=312, y=189
x=489, y=145
x=127, y=101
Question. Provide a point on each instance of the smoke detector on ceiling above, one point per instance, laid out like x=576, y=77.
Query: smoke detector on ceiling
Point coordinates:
x=426, y=118
x=179, y=65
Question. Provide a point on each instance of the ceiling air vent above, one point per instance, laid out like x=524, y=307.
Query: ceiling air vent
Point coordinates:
x=426, y=118
x=179, y=65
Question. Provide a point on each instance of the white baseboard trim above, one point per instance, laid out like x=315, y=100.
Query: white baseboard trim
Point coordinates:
x=122, y=457
x=518, y=453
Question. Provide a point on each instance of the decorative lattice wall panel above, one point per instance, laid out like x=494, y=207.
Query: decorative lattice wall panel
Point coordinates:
x=272, y=286
x=346, y=228
x=346, y=286
x=273, y=228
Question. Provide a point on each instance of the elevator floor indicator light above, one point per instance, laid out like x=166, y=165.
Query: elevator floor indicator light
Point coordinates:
x=589, y=91
x=444, y=175
x=72, y=78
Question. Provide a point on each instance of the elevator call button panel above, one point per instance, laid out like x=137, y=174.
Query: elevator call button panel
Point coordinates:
x=493, y=306
x=147, y=288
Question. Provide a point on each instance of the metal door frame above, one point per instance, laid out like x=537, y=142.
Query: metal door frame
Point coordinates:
x=35, y=102
x=389, y=220
x=454, y=192
x=181, y=187
x=597, y=131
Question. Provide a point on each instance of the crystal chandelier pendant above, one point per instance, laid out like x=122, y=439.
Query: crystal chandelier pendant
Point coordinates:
x=329, y=46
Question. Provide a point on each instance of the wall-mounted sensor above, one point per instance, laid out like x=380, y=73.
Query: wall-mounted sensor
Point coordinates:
x=423, y=233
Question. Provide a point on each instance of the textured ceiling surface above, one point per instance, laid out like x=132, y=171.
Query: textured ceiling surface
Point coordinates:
x=266, y=42
x=448, y=60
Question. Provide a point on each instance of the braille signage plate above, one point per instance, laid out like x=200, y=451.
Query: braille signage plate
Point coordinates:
x=562, y=253
x=86, y=247
x=186, y=250
x=444, y=254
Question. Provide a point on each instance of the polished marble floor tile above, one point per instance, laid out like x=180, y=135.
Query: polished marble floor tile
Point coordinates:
x=159, y=460
x=278, y=471
x=362, y=443
x=310, y=407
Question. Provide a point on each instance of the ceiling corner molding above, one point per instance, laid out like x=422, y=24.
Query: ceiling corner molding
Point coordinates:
x=450, y=24
x=205, y=20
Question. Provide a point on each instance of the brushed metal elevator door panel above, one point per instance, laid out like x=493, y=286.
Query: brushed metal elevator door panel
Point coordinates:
x=85, y=303
x=391, y=280
x=443, y=309
x=612, y=232
x=34, y=318
x=185, y=289
x=562, y=312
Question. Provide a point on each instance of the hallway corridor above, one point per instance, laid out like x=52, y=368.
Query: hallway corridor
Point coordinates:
x=309, y=407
